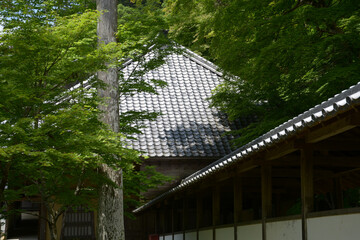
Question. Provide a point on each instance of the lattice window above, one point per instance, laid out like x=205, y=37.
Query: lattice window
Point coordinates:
x=78, y=224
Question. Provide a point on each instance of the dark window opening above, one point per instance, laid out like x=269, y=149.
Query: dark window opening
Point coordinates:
x=226, y=206
x=206, y=218
x=190, y=222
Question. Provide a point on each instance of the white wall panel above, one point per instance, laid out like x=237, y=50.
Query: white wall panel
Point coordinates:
x=284, y=230
x=225, y=233
x=190, y=236
x=168, y=237
x=178, y=236
x=206, y=235
x=340, y=227
x=250, y=232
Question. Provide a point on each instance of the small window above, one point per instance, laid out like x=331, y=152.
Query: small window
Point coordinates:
x=78, y=224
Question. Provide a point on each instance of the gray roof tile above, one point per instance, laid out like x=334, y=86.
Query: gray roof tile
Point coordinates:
x=187, y=126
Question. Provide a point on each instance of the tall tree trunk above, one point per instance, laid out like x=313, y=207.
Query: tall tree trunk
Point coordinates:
x=111, y=207
x=52, y=223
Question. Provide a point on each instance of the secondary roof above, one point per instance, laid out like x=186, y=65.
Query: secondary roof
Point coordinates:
x=340, y=103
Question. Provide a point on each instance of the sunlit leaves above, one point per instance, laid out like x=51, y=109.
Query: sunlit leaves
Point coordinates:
x=289, y=55
x=51, y=139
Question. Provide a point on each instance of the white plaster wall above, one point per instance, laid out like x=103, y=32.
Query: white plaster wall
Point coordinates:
x=178, y=236
x=341, y=227
x=286, y=230
x=225, y=233
x=250, y=232
x=205, y=235
x=168, y=237
x=190, y=236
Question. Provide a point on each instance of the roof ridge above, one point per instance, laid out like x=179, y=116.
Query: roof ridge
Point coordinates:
x=201, y=61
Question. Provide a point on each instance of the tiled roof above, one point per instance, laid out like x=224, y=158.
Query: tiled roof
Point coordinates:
x=187, y=126
x=339, y=103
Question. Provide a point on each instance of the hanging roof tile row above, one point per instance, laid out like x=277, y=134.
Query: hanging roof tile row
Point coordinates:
x=335, y=105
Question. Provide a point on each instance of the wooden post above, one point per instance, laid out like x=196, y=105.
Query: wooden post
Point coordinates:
x=215, y=208
x=42, y=221
x=238, y=199
x=162, y=218
x=307, y=187
x=172, y=218
x=199, y=213
x=339, y=193
x=238, y=202
x=266, y=196
x=184, y=214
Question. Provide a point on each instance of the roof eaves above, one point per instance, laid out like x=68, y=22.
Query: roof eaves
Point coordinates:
x=340, y=102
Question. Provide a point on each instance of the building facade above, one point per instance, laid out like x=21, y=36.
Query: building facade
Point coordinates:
x=300, y=180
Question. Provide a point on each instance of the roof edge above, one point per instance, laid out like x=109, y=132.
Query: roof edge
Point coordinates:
x=339, y=103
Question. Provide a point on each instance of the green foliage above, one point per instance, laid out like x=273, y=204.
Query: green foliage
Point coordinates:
x=290, y=55
x=190, y=23
x=51, y=139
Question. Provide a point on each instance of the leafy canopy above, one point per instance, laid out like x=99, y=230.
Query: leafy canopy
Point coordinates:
x=280, y=57
x=51, y=139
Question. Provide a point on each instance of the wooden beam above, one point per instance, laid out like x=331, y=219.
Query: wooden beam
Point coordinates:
x=266, y=196
x=281, y=149
x=307, y=187
x=275, y=172
x=339, y=126
x=278, y=182
x=338, y=145
x=328, y=161
x=337, y=161
x=226, y=174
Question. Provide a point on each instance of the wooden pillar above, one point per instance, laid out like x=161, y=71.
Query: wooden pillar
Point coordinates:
x=238, y=202
x=199, y=213
x=172, y=218
x=162, y=218
x=42, y=221
x=215, y=208
x=266, y=196
x=238, y=199
x=338, y=193
x=184, y=214
x=155, y=219
x=307, y=187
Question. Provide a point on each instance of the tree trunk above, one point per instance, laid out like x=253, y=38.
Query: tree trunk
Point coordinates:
x=52, y=224
x=111, y=207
